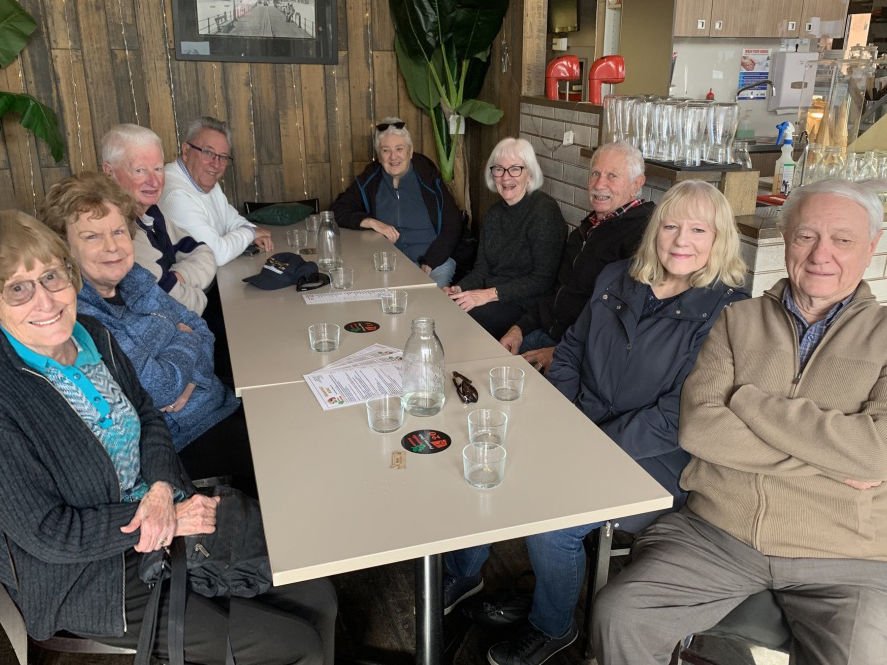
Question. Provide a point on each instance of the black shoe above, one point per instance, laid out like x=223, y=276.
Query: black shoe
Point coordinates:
x=534, y=648
x=457, y=589
x=501, y=609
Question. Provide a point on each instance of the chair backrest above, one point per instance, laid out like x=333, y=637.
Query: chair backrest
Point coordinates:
x=252, y=206
x=14, y=625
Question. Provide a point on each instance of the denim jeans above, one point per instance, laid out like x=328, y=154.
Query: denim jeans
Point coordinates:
x=443, y=274
x=536, y=339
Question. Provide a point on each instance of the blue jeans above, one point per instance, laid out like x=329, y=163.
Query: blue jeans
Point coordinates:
x=443, y=274
x=536, y=339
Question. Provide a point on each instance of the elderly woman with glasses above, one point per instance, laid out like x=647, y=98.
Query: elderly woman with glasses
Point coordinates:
x=170, y=346
x=90, y=480
x=402, y=197
x=521, y=241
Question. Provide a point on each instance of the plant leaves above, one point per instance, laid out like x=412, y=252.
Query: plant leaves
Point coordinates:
x=40, y=119
x=16, y=25
x=422, y=90
x=480, y=111
x=475, y=24
x=417, y=22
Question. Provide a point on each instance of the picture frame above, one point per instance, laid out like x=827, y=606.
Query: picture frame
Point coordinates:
x=279, y=31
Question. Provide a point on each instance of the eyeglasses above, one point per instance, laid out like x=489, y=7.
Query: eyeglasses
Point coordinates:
x=382, y=126
x=466, y=391
x=53, y=280
x=211, y=155
x=514, y=170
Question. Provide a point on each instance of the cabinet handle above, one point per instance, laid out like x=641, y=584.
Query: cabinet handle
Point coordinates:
x=792, y=26
x=700, y=24
x=719, y=25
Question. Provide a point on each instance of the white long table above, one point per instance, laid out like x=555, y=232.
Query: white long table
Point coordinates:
x=331, y=502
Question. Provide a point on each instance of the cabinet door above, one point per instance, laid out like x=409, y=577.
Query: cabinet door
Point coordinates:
x=692, y=18
x=826, y=10
x=749, y=18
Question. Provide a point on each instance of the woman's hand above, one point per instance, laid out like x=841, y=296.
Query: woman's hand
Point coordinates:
x=468, y=300
x=181, y=400
x=540, y=358
x=263, y=240
x=512, y=339
x=426, y=268
x=155, y=519
x=196, y=515
x=451, y=290
x=184, y=327
x=391, y=234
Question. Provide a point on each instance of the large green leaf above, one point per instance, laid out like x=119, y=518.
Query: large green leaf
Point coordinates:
x=418, y=22
x=417, y=76
x=16, y=25
x=475, y=24
x=480, y=111
x=40, y=119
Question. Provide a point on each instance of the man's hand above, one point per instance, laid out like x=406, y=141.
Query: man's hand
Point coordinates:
x=512, y=339
x=155, y=518
x=862, y=484
x=540, y=358
x=426, y=268
x=263, y=240
x=181, y=400
x=184, y=327
x=390, y=233
x=196, y=515
x=178, y=276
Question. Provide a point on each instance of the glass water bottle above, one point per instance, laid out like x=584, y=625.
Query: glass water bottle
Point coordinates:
x=329, y=252
x=423, y=370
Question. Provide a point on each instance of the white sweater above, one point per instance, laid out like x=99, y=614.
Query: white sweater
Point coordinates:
x=205, y=216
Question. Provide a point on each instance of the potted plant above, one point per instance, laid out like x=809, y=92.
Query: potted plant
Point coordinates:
x=16, y=26
x=443, y=49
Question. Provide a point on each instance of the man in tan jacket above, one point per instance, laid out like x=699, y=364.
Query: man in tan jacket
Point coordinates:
x=785, y=415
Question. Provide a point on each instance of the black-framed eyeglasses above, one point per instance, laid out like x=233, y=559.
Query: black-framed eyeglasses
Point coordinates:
x=464, y=388
x=382, y=126
x=211, y=155
x=514, y=170
x=53, y=280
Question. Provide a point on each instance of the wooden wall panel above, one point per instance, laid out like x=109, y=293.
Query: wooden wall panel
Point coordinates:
x=300, y=131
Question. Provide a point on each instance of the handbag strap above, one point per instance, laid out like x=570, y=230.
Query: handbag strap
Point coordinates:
x=178, y=583
x=147, y=634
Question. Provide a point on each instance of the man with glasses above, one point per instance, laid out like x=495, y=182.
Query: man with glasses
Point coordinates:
x=194, y=199
x=184, y=268
x=402, y=197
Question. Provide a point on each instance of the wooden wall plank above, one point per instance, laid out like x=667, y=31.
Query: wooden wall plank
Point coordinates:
x=123, y=32
x=382, y=26
x=360, y=76
x=188, y=89
x=314, y=107
x=339, y=123
x=61, y=23
x=319, y=184
x=155, y=67
x=265, y=115
x=98, y=67
x=292, y=133
x=7, y=191
x=20, y=155
x=74, y=116
x=241, y=180
x=212, y=93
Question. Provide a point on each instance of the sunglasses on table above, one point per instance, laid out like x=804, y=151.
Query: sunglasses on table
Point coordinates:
x=382, y=126
x=464, y=388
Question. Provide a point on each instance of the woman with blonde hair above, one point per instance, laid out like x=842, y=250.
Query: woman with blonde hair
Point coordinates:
x=623, y=363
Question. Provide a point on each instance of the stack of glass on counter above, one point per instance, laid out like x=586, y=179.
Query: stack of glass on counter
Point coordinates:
x=681, y=131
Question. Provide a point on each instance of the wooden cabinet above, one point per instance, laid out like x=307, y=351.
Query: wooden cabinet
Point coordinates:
x=692, y=18
x=752, y=18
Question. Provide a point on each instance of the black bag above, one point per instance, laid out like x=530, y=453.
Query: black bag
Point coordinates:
x=231, y=561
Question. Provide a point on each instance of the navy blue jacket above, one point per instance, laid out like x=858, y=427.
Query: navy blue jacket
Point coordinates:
x=358, y=202
x=626, y=373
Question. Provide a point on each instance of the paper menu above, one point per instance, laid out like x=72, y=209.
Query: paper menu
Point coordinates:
x=373, y=371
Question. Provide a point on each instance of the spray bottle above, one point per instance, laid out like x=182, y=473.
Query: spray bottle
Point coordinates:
x=784, y=173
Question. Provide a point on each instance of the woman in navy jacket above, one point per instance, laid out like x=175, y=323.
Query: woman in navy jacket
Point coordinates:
x=623, y=363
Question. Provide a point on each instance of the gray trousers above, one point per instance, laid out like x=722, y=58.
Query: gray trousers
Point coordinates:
x=294, y=623
x=686, y=575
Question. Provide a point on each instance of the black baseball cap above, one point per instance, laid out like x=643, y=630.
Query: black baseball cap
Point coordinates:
x=282, y=270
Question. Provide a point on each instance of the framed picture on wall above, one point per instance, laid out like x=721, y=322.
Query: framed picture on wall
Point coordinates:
x=300, y=31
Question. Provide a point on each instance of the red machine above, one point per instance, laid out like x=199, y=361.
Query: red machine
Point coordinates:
x=562, y=68
x=609, y=69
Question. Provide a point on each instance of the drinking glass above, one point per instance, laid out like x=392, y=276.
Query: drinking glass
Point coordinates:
x=483, y=464
x=312, y=224
x=506, y=383
x=487, y=426
x=342, y=278
x=385, y=413
x=324, y=337
x=385, y=261
x=723, y=123
x=394, y=302
x=297, y=239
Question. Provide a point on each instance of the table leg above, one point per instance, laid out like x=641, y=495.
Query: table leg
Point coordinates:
x=429, y=610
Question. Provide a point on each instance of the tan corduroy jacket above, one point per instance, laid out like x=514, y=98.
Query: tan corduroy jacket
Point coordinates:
x=772, y=446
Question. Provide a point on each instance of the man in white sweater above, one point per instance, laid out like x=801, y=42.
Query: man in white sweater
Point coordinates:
x=193, y=197
x=183, y=267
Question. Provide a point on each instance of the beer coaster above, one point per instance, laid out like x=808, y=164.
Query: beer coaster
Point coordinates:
x=426, y=441
x=361, y=326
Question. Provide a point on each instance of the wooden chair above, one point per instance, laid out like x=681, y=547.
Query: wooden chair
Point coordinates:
x=14, y=625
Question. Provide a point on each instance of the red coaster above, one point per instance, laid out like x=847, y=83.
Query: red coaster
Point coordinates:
x=426, y=441
x=362, y=326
